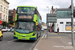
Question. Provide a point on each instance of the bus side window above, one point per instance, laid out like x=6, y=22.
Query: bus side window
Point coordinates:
x=34, y=28
x=35, y=11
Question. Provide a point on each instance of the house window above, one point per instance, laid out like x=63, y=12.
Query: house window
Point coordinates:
x=63, y=14
x=4, y=9
x=6, y=18
x=61, y=22
x=68, y=23
x=1, y=8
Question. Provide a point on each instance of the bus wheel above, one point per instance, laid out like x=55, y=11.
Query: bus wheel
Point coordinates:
x=40, y=35
x=36, y=36
x=1, y=38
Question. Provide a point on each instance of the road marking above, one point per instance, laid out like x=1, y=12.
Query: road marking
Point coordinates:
x=69, y=42
x=63, y=41
x=10, y=41
x=35, y=49
x=7, y=42
x=43, y=35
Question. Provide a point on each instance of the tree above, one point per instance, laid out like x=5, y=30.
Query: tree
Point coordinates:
x=4, y=23
x=11, y=22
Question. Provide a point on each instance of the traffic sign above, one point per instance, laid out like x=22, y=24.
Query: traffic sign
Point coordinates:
x=51, y=18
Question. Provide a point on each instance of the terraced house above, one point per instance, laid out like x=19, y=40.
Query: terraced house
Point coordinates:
x=4, y=10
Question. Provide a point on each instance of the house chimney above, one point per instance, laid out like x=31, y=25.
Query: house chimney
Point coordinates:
x=14, y=13
x=52, y=7
x=70, y=7
x=52, y=10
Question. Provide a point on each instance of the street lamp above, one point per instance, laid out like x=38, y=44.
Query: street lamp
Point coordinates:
x=48, y=8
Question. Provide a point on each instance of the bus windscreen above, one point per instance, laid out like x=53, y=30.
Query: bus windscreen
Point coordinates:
x=26, y=10
x=24, y=27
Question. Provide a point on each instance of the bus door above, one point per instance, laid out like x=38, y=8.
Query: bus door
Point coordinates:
x=39, y=31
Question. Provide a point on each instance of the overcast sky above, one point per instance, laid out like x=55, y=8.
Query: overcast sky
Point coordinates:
x=41, y=5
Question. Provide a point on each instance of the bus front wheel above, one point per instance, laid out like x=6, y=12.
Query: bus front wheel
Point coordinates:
x=36, y=36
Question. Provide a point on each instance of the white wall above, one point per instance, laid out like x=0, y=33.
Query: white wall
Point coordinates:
x=62, y=28
x=6, y=5
x=44, y=27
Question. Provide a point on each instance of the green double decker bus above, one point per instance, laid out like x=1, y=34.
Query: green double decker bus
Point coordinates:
x=27, y=23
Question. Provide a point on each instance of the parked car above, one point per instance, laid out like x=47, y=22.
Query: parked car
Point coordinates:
x=1, y=36
x=12, y=29
x=5, y=29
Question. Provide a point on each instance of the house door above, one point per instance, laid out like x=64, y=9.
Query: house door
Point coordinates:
x=61, y=27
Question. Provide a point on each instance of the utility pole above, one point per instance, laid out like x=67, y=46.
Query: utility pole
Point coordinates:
x=72, y=23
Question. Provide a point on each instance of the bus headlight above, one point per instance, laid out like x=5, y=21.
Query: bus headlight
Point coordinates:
x=33, y=34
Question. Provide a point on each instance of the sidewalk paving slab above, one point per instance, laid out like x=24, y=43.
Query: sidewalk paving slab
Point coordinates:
x=55, y=43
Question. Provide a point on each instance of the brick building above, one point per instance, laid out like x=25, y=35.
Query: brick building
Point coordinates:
x=12, y=14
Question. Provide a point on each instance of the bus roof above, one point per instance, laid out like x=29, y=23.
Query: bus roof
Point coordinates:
x=27, y=6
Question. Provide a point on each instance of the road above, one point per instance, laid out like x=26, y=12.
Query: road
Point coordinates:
x=9, y=43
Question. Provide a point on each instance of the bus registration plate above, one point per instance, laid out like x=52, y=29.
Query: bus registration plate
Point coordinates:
x=23, y=39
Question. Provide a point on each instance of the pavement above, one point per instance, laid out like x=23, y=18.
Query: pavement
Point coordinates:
x=55, y=42
x=8, y=43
